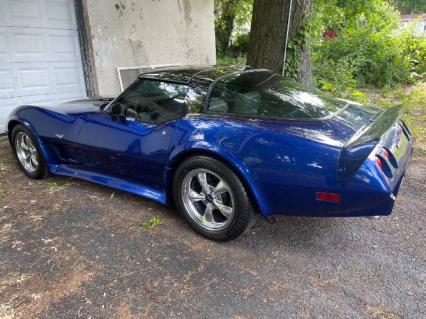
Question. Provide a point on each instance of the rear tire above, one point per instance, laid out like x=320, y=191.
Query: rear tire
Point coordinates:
x=212, y=199
x=28, y=152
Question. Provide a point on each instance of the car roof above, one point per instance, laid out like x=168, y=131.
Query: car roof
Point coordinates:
x=196, y=74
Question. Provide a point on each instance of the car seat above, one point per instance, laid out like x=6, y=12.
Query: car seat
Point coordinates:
x=247, y=103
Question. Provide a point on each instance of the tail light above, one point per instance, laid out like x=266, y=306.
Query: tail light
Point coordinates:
x=379, y=162
x=390, y=157
x=386, y=153
x=384, y=165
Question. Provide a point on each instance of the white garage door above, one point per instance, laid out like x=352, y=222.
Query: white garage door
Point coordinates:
x=40, y=61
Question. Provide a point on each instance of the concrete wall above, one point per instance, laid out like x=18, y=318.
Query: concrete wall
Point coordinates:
x=144, y=32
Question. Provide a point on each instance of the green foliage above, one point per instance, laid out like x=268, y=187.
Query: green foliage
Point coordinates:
x=241, y=44
x=152, y=223
x=409, y=6
x=294, y=47
x=368, y=51
x=231, y=60
x=230, y=17
x=414, y=52
x=413, y=99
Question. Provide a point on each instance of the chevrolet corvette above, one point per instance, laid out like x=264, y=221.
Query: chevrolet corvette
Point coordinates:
x=224, y=145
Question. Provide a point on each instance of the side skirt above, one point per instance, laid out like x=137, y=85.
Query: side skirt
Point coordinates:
x=108, y=181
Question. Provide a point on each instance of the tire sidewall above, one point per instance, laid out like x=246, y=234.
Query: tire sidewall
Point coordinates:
x=41, y=170
x=243, y=212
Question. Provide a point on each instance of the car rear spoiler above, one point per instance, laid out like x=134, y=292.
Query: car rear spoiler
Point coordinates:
x=359, y=147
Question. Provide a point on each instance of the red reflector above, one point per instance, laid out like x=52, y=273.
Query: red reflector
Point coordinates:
x=328, y=197
x=379, y=162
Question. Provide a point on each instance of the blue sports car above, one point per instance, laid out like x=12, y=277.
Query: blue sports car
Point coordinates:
x=223, y=144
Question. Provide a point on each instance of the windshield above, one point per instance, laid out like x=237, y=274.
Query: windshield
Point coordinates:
x=262, y=93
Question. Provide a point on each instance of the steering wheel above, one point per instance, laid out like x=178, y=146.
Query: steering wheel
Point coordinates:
x=128, y=111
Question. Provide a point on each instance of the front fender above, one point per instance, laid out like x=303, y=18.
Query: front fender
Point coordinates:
x=18, y=120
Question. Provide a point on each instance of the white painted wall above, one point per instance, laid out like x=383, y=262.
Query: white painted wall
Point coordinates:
x=144, y=32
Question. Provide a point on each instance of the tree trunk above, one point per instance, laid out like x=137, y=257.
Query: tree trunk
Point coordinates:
x=227, y=23
x=269, y=31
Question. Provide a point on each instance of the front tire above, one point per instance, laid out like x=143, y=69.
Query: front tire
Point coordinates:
x=28, y=153
x=212, y=199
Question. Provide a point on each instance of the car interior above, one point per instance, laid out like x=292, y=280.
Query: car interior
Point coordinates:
x=154, y=101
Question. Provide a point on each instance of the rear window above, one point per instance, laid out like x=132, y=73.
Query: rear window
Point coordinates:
x=262, y=93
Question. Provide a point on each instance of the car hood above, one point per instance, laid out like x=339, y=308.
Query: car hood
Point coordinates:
x=80, y=106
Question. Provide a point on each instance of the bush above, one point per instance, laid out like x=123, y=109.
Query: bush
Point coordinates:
x=368, y=51
x=414, y=51
x=241, y=44
x=358, y=59
x=231, y=59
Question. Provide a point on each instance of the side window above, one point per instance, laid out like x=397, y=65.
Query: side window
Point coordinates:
x=153, y=101
x=235, y=95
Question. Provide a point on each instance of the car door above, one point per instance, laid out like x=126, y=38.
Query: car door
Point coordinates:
x=131, y=138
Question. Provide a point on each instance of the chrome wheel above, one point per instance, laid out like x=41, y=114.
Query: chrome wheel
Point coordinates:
x=208, y=199
x=26, y=152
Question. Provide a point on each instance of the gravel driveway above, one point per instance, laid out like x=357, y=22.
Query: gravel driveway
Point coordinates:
x=70, y=249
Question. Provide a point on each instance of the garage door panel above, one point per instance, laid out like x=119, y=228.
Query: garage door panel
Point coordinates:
x=22, y=12
x=6, y=83
x=5, y=44
x=67, y=76
x=3, y=50
x=60, y=14
x=35, y=78
x=38, y=13
x=40, y=61
x=32, y=44
x=24, y=79
x=64, y=46
x=28, y=45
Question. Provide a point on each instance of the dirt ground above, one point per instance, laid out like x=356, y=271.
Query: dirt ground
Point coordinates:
x=70, y=249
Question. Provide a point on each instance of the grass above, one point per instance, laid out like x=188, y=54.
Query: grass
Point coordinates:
x=54, y=186
x=3, y=166
x=152, y=223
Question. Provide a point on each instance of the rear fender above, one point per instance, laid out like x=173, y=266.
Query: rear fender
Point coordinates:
x=203, y=149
